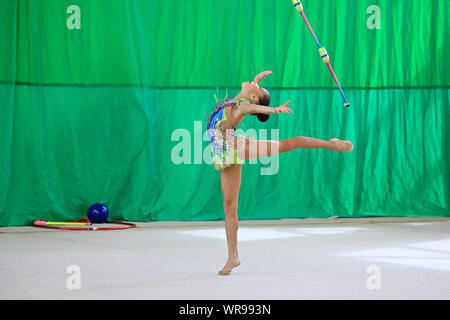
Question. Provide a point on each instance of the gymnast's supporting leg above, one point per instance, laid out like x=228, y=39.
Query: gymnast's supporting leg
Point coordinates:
x=230, y=179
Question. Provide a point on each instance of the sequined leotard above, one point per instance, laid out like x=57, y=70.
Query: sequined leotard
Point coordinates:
x=223, y=140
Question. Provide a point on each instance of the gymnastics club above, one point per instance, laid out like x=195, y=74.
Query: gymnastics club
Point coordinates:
x=322, y=51
x=41, y=223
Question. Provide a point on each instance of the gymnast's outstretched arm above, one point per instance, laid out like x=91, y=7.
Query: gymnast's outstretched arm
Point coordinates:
x=249, y=108
x=259, y=77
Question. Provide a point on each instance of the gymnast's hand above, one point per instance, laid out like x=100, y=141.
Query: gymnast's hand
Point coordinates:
x=283, y=108
x=261, y=76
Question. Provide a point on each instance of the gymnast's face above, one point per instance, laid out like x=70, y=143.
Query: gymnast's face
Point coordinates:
x=252, y=91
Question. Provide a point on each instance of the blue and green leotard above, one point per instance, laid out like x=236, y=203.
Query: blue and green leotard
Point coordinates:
x=224, y=154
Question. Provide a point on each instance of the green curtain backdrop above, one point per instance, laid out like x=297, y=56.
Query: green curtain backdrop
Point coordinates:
x=88, y=115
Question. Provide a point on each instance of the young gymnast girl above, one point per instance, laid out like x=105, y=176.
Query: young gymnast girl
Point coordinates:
x=230, y=150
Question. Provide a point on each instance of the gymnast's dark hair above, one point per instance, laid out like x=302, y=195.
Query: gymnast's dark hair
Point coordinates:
x=264, y=100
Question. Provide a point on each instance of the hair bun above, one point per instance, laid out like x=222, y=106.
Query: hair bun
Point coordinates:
x=262, y=117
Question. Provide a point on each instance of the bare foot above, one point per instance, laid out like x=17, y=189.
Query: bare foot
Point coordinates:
x=341, y=146
x=231, y=263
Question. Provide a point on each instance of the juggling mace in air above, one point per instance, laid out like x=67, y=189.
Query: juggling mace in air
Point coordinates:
x=323, y=53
